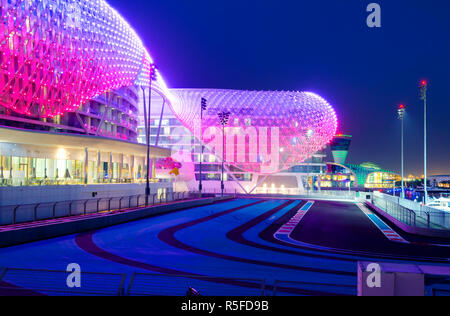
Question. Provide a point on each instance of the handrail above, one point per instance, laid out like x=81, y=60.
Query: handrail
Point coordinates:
x=119, y=291
x=119, y=287
x=277, y=286
x=48, y=210
x=419, y=217
x=134, y=276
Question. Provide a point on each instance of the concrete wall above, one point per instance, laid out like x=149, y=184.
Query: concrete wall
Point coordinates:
x=47, y=194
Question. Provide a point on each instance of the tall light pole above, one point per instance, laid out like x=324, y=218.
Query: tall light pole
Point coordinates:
x=147, y=114
x=309, y=135
x=401, y=116
x=224, y=118
x=423, y=96
x=204, y=107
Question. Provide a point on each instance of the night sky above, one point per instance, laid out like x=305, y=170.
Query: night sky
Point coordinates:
x=323, y=46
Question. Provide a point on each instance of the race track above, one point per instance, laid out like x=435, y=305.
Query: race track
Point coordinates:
x=234, y=239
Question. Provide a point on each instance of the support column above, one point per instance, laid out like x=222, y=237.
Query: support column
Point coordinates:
x=152, y=167
x=86, y=166
x=121, y=168
x=133, y=175
x=99, y=161
x=110, y=168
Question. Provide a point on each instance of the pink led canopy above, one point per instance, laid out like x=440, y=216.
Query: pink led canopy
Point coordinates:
x=57, y=54
x=268, y=132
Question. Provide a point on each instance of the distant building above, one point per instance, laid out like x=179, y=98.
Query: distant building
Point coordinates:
x=440, y=181
x=340, y=147
x=364, y=176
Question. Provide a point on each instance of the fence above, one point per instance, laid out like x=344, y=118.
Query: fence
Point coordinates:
x=412, y=213
x=282, y=288
x=344, y=194
x=29, y=282
x=17, y=214
x=404, y=215
x=323, y=194
x=437, y=285
x=172, y=285
x=25, y=282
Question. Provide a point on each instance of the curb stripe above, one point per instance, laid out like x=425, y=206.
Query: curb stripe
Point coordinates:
x=387, y=231
x=292, y=224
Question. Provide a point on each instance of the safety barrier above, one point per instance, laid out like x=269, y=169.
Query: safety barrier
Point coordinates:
x=323, y=194
x=28, y=282
x=177, y=285
x=295, y=287
x=437, y=285
x=411, y=213
x=406, y=216
x=16, y=214
x=55, y=283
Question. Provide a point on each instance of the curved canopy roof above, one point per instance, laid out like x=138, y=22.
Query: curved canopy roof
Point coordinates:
x=268, y=131
x=56, y=55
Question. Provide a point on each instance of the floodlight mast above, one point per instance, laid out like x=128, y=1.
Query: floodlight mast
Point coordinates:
x=204, y=107
x=401, y=116
x=423, y=95
x=147, y=118
x=224, y=118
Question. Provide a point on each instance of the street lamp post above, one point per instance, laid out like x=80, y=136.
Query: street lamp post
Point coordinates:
x=204, y=107
x=309, y=135
x=147, y=114
x=423, y=95
x=401, y=115
x=224, y=118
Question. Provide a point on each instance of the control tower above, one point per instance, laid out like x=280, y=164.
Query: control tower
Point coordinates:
x=339, y=148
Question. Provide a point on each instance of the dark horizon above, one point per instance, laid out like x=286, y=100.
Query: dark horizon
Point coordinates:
x=324, y=47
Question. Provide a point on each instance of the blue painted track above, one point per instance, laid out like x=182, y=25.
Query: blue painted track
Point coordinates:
x=198, y=242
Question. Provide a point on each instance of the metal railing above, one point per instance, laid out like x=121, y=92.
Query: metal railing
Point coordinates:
x=411, y=213
x=52, y=282
x=297, y=287
x=19, y=182
x=437, y=285
x=142, y=284
x=28, y=282
x=323, y=194
x=18, y=214
x=404, y=215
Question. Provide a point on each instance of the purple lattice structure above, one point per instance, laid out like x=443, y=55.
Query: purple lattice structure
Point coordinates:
x=57, y=54
x=268, y=132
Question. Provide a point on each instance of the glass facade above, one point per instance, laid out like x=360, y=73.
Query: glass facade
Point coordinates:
x=50, y=159
x=28, y=171
x=381, y=180
x=113, y=114
x=368, y=176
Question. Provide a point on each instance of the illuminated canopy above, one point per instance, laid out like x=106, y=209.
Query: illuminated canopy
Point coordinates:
x=306, y=123
x=57, y=54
